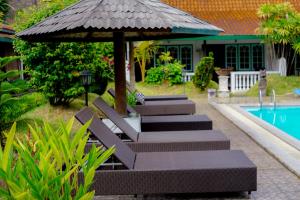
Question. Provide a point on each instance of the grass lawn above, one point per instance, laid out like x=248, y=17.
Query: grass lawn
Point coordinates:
x=283, y=86
x=55, y=114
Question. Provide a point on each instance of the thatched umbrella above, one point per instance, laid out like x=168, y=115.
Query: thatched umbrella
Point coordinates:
x=118, y=21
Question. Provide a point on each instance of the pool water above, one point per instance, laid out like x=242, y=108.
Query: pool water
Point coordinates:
x=286, y=118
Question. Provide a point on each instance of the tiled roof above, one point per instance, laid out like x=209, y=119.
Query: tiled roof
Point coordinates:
x=237, y=17
x=133, y=16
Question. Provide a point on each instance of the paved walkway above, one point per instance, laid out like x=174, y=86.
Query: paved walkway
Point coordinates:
x=275, y=182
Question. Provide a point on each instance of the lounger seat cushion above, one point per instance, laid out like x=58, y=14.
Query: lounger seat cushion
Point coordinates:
x=176, y=107
x=180, y=141
x=165, y=97
x=181, y=172
x=182, y=136
x=175, y=123
x=160, y=141
x=173, y=107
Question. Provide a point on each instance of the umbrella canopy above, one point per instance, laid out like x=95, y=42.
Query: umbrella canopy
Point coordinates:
x=118, y=21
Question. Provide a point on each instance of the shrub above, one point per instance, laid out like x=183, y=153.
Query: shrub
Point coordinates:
x=204, y=71
x=171, y=72
x=46, y=163
x=213, y=85
x=155, y=75
x=12, y=110
x=55, y=67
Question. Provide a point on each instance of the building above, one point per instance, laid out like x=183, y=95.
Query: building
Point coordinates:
x=239, y=46
x=7, y=33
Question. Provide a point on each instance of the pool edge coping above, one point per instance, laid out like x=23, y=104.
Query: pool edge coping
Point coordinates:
x=274, y=130
x=282, y=156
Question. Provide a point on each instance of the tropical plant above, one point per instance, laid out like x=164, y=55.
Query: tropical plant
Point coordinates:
x=46, y=163
x=55, y=67
x=280, y=27
x=143, y=53
x=165, y=57
x=204, y=71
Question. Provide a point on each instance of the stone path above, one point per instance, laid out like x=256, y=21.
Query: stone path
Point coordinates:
x=275, y=182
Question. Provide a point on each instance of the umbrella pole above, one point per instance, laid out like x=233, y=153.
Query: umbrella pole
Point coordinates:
x=120, y=77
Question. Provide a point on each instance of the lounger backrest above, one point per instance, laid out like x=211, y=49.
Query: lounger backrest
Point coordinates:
x=116, y=119
x=128, y=107
x=107, y=138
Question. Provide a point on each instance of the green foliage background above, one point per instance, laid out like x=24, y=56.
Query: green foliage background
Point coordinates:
x=55, y=67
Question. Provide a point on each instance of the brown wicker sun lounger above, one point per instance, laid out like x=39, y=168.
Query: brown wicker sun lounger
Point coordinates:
x=175, y=107
x=163, y=123
x=172, y=172
x=163, y=141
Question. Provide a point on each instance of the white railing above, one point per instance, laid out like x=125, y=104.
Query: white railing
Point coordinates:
x=243, y=81
x=187, y=76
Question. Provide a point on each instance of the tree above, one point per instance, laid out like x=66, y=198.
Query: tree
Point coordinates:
x=280, y=27
x=55, y=67
x=143, y=53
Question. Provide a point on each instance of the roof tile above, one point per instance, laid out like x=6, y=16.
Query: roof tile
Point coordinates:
x=233, y=16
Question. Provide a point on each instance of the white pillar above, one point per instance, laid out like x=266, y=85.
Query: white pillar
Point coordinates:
x=223, y=86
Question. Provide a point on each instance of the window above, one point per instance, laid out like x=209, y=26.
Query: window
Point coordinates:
x=186, y=57
x=182, y=53
x=257, y=56
x=174, y=52
x=244, y=57
x=231, y=55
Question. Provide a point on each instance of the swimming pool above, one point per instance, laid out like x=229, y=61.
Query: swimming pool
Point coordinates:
x=285, y=118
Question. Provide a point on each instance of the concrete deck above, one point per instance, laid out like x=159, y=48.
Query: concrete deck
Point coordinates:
x=275, y=182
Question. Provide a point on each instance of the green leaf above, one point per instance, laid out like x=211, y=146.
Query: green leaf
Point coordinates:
x=4, y=193
x=88, y=178
x=88, y=196
x=8, y=147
